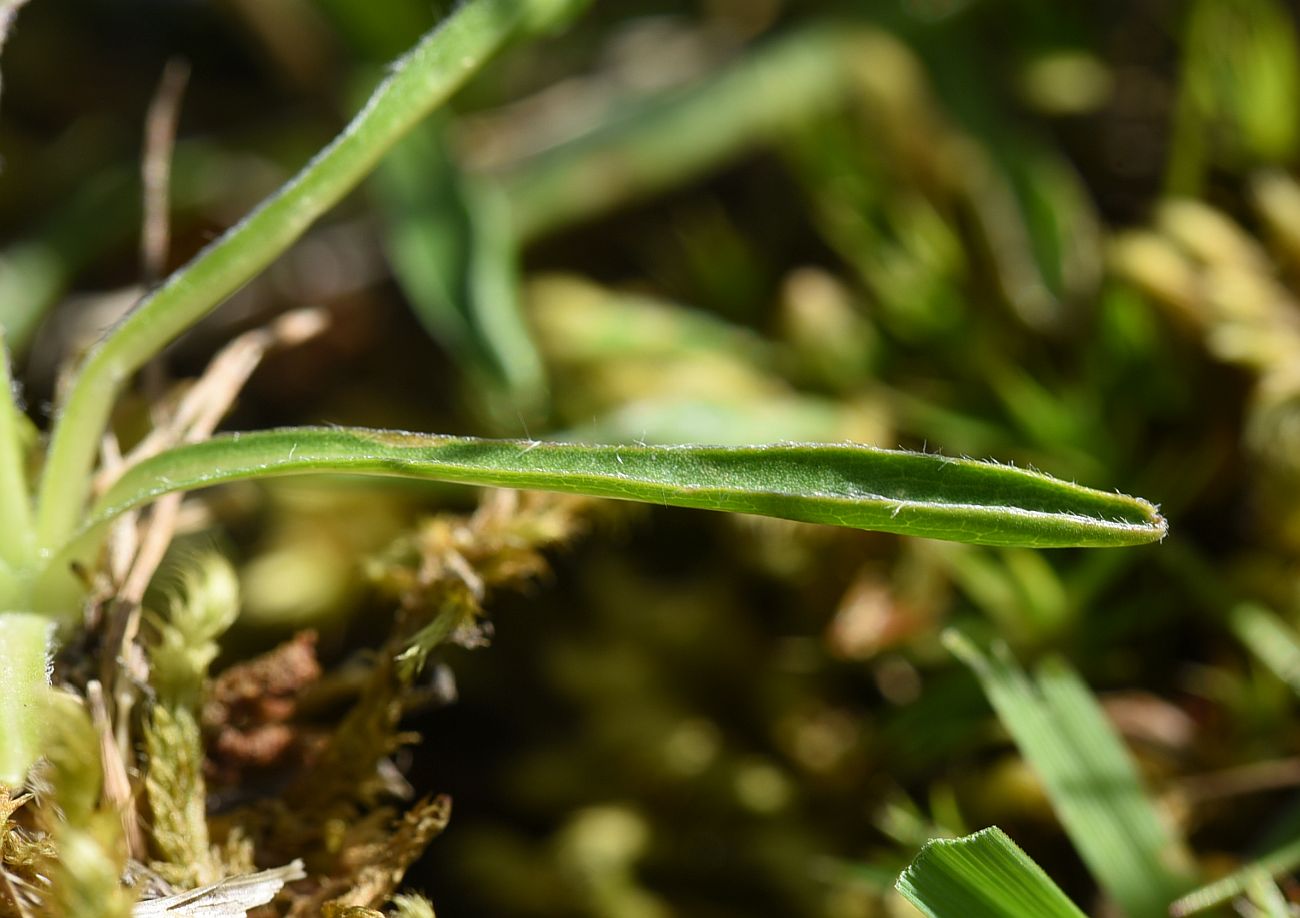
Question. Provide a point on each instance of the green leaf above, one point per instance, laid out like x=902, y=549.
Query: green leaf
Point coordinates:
x=858, y=486
x=16, y=534
x=1089, y=776
x=984, y=875
x=1275, y=643
x=452, y=251
x=1042, y=232
x=659, y=142
x=1017, y=589
x=1240, y=75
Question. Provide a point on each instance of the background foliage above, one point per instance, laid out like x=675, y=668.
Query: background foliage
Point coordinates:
x=1064, y=236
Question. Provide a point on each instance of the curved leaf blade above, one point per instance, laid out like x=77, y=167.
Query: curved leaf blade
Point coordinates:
x=862, y=487
x=985, y=875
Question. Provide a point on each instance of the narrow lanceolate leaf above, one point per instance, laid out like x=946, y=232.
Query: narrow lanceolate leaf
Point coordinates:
x=984, y=875
x=843, y=485
x=1090, y=778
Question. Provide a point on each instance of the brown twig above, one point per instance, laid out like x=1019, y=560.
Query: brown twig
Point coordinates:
x=156, y=168
x=117, y=781
x=1254, y=778
x=195, y=418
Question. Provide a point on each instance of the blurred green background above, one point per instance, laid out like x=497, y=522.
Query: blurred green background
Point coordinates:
x=1060, y=235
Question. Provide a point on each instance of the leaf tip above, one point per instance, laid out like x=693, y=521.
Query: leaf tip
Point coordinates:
x=960, y=645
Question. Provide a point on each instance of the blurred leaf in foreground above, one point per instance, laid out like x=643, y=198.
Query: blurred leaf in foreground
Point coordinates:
x=454, y=255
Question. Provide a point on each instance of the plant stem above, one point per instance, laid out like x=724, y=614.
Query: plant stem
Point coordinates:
x=420, y=81
x=25, y=639
x=16, y=535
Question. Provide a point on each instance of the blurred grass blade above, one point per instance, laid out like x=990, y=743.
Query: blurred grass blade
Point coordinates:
x=580, y=324
x=1240, y=76
x=721, y=422
x=16, y=534
x=665, y=140
x=1280, y=862
x=1016, y=588
x=1089, y=776
x=984, y=875
x=1262, y=631
x=846, y=485
x=452, y=251
x=1269, y=901
x=1270, y=639
x=1043, y=236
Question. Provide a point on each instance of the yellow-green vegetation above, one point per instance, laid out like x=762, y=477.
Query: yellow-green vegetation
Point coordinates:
x=905, y=293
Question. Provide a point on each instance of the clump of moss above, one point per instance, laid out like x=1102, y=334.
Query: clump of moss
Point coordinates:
x=337, y=805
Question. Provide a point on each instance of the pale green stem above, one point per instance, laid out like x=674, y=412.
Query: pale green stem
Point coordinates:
x=24, y=677
x=16, y=537
x=419, y=82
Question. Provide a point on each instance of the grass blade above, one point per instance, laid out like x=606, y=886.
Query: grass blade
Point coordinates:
x=662, y=141
x=1090, y=778
x=1269, y=901
x=908, y=493
x=452, y=251
x=1269, y=638
x=1283, y=860
x=16, y=533
x=984, y=875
